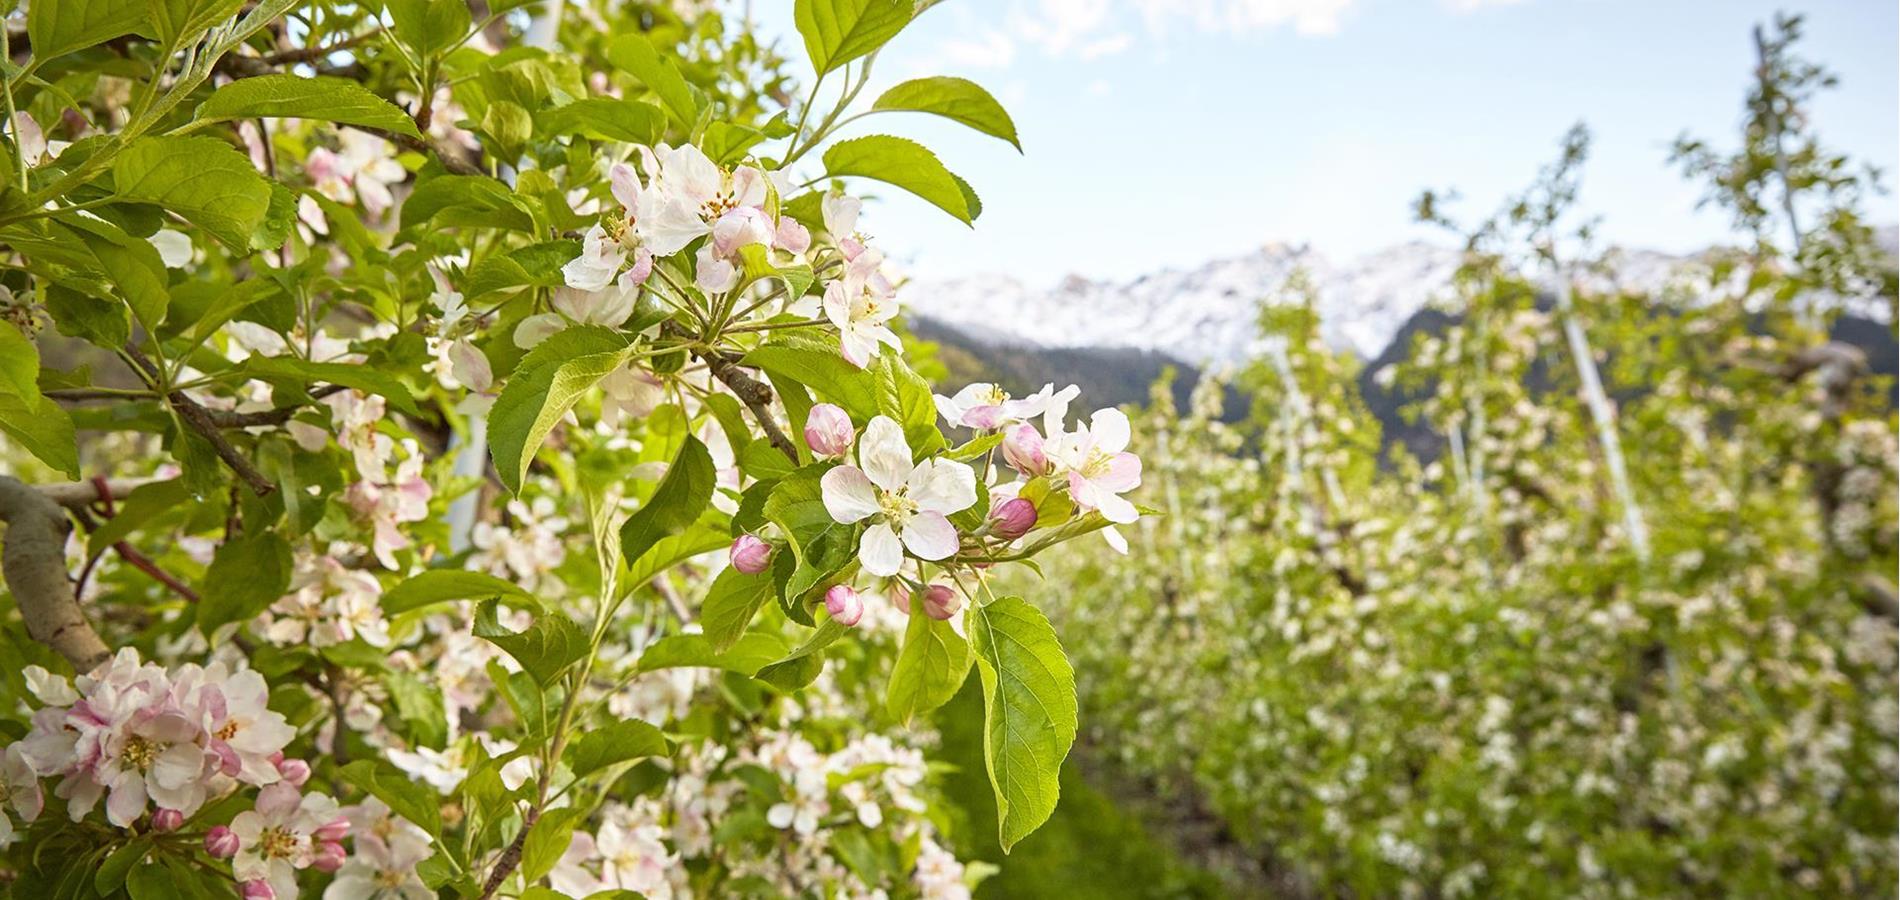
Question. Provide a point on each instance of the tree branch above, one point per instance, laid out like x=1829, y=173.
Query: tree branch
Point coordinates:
x=33, y=562
x=198, y=419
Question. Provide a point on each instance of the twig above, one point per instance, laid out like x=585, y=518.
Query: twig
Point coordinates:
x=755, y=394
x=194, y=416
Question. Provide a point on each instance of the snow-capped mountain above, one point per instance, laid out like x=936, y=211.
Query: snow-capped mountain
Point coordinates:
x=1206, y=315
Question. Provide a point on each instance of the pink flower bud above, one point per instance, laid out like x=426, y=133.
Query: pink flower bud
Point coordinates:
x=257, y=889
x=828, y=430
x=1022, y=447
x=295, y=771
x=844, y=604
x=1013, y=519
x=940, y=602
x=334, y=830
x=167, y=820
x=750, y=555
x=276, y=757
x=329, y=857
x=221, y=842
x=899, y=594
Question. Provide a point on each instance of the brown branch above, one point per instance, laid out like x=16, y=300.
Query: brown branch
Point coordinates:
x=510, y=857
x=194, y=416
x=455, y=162
x=33, y=562
x=755, y=394
x=269, y=417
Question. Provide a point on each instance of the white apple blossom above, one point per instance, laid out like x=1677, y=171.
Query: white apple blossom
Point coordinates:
x=276, y=837
x=908, y=502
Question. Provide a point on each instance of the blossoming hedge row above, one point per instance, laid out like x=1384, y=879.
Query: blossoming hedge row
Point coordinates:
x=1551, y=660
x=496, y=464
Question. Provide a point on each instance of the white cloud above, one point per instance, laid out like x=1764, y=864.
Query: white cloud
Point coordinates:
x=1099, y=88
x=1468, y=6
x=992, y=51
x=1308, y=17
x=1108, y=46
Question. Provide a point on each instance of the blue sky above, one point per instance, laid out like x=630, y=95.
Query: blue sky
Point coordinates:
x=1163, y=133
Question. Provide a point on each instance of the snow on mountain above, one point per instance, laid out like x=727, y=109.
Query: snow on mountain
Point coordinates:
x=1206, y=315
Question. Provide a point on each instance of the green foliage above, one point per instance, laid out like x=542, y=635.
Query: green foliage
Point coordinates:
x=1029, y=712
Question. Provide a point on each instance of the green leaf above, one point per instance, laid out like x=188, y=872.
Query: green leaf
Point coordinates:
x=204, y=180
x=35, y=422
x=710, y=533
x=442, y=585
x=682, y=496
x=536, y=265
x=905, y=164
x=797, y=507
x=515, y=423
x=419, y=708
x=247, y=574
x=637, y=56
x=409, y=799
x=753, y=651
x=547, y=840
x=606, y=119
x=157, y=882
x=287, y=96
x=545, y=649
x=956, y=99
x=929, y=670
x=130, y=263
x=58, y=27
x=801, y=666
x=734, y=599
x=475, y=201
x=350, y=375
x=429, y=26
x=761, y=261
x=564, y=387
x=1029, y=711
x=817, y=364
x=135, y=509
x=622, y=741
x=839, y=31
x=905, y=396
x=179, y=20
x=111, y=873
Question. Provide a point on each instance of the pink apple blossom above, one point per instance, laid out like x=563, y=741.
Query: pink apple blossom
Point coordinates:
x=828, y=430
x=844, y=604
x=1013, y=519
x=749, y=555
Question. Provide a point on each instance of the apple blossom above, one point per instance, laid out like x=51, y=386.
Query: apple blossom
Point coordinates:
x=828, y=430
x=909, y=503
x=221, y=842
x=328, y=857
x=987, y=406
x=381, y=870
x=749, y=555
x=19, y=790
x=1013, y=519
x=844, y=604
x=165, y=820
x=600, y=261
x=258, y=889
x=1024, y=449
x=1098, y=467
x=859, y=305
x=941, y=602
x=275, y=836
x=295, y=771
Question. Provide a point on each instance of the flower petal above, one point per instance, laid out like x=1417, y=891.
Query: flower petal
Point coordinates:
x=849, y=496
x=880, y=551
x=943, y=486
x=884, y=453
x=929, y=536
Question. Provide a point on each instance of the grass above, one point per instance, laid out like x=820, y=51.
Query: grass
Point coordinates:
x=1089, y=848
